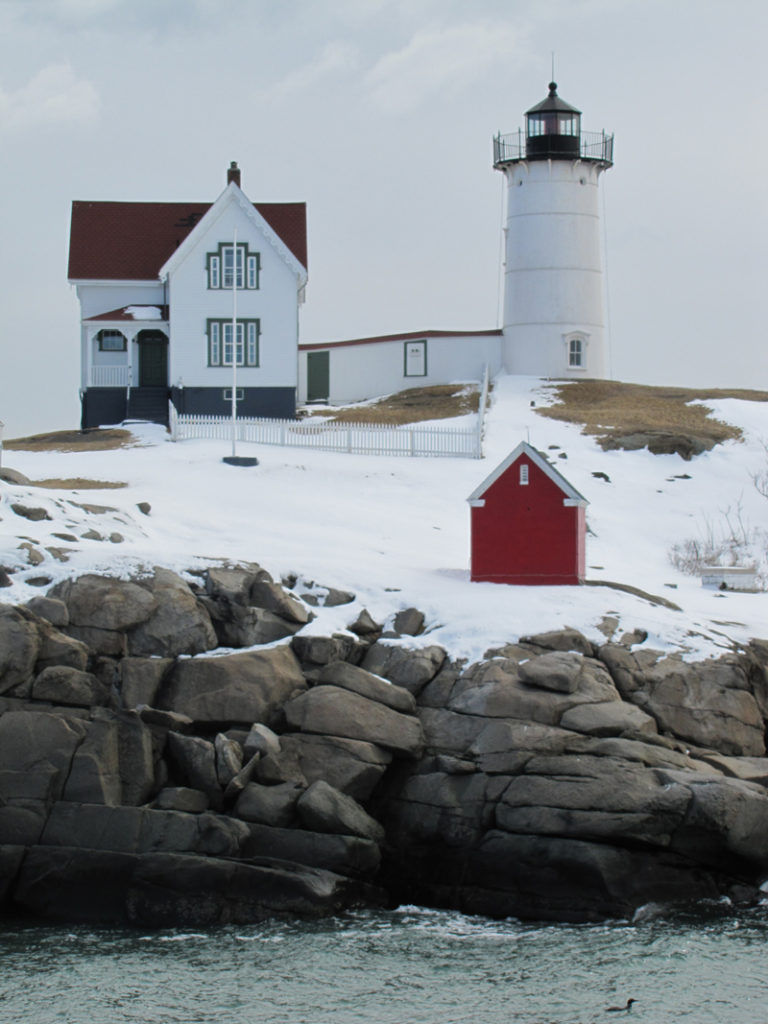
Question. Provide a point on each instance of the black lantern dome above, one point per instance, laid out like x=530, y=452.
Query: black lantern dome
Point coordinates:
x=552, y=129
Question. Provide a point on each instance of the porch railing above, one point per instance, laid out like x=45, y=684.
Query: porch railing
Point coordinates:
x=110, y=376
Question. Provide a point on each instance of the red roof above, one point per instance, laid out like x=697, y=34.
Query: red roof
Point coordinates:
x=402, y=337
x=132, y=241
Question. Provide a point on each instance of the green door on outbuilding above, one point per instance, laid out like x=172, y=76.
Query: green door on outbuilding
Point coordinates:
x=318, y=376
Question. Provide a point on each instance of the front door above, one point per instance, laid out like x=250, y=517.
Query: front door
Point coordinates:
x=153, y=360
x=318, y=376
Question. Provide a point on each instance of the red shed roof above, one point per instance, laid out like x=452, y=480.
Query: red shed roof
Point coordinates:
x=539, y=460
x=132, y=241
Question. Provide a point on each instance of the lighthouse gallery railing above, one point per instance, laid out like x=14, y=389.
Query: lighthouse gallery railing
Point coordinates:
x=592, y=146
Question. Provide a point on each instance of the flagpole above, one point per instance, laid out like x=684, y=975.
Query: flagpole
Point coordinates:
x=234, y=342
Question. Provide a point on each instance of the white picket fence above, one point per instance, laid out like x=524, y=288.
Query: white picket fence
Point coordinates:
x=352, y=438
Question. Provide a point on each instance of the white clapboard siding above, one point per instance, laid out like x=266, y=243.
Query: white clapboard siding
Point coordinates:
x=353, y=438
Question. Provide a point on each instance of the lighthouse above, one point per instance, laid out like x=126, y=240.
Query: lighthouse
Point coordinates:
x=554, y=293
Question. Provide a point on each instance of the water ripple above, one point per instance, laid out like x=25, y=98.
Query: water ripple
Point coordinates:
x=419, y=966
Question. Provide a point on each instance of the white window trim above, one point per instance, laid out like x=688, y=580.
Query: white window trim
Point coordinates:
x=214, y=344
x=252, y=272
x=247, y=335
x=113, y=335
x=568, y=339
x=223, y=266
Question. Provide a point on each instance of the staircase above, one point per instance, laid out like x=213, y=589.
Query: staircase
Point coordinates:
x=148, y=404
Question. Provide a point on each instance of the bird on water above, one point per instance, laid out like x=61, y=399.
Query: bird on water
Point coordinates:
x=621, y=1009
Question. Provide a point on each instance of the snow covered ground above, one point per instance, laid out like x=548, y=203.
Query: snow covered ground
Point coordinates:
x=395, y=531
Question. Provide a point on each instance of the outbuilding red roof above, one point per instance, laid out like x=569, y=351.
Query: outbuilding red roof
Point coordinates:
x=132, y=241
x=400, y=337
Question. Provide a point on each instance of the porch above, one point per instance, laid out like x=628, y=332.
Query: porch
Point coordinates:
x=125, y=369
x=126, y=348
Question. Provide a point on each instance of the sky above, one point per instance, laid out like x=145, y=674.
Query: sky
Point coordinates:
x=379, y=114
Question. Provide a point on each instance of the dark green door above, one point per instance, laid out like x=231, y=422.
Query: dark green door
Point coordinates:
x=153, y=361
x=318, y=376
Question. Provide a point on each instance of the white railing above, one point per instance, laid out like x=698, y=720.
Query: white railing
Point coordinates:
x=110, y=376
x=352, y=438
x=482, y=406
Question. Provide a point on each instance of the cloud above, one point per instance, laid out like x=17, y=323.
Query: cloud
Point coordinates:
x=53, y=96
x=334, y=57
x=84, y=10
x=439, y=61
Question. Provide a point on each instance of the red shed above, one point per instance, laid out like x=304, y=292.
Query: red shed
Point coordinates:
x=528, y=523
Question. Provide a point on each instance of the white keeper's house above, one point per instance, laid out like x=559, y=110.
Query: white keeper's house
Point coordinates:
x=157, y=283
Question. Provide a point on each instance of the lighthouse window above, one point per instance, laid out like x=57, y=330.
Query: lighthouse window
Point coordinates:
x=575, y=352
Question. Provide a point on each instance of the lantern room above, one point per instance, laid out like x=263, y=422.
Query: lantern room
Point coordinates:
x=552, y=132
x=552, y=129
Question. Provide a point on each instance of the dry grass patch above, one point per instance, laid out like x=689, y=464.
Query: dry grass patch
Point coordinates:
x=78, y=483
x=621, y=415
x=439, y=402
x=95, y=440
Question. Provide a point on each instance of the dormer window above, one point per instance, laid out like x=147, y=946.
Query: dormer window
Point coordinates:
x=227, y=267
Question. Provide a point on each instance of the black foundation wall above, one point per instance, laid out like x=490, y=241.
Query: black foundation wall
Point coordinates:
x=268, y=403
x=101, y=406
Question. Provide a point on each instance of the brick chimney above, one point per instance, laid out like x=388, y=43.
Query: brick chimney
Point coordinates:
x=233, y=173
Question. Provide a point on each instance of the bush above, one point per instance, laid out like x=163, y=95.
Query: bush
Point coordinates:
x=729, y=542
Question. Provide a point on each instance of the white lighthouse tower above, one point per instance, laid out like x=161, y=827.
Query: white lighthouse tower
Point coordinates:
x=554, y=298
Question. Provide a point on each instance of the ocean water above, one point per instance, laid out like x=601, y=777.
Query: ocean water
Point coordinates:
x=409, y=966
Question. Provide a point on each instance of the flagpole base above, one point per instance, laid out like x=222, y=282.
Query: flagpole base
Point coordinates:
x=240, y=460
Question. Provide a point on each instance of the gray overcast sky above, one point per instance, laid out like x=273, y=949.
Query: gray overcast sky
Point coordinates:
x=379, y=114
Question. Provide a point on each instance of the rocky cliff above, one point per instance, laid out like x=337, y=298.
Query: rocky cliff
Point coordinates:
x=189, y=753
